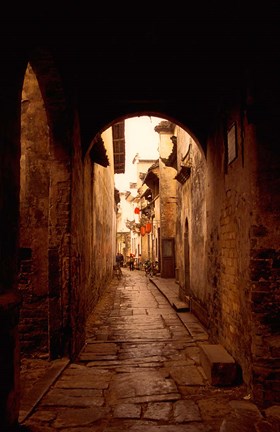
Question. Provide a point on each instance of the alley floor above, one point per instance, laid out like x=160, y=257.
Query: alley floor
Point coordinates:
x=139, y=371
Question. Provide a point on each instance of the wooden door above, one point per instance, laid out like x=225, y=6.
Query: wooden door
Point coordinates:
x=168, y=258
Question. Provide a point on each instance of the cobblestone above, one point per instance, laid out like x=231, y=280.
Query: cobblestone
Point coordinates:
x=139, y=371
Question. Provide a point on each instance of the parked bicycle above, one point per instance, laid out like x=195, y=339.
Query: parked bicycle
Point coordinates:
x=151, y=268
x=117, y=271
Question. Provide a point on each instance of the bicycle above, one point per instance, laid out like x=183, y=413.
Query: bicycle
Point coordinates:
x=117, y=271
x=151, y=268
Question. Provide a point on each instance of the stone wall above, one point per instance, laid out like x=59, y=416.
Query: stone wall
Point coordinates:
x=100, y=224
x=191, y=232
x=230, y=207
x=243, y=250
x=61, y=277
x=10, y=299
x=34, y=213
x=44, y=255
x=264, y=266
x=168, y=201
x=227, y=245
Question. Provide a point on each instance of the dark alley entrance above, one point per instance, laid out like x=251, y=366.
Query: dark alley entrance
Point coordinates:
x=207, y=209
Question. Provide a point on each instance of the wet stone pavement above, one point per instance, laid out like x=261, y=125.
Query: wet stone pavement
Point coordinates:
x=139, y=371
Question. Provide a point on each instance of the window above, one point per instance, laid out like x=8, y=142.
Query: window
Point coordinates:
x=231, y=143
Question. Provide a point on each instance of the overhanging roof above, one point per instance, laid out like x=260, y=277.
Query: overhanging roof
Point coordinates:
x=98, y=152
x=171, y=161
x=152, y=175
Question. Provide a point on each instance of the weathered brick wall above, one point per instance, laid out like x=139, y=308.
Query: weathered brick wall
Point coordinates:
x=59, y=251
x=264, y=263
x=77, y=305
x=10, y=300
x=230, y=208
x=45, y=221
x=45, y=211
x=56, y=268
x=93, y=232
x=243, y=251
x=233, y=243
x=34, y=207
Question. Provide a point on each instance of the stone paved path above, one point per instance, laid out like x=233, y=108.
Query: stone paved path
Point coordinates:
x=140, y=371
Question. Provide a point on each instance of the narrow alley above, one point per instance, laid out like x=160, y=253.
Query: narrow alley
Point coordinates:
x=139, y=370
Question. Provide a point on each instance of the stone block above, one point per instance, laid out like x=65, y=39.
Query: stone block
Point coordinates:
x=181, y=306
x=218, y=365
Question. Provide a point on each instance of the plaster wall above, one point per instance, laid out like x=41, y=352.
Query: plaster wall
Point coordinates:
x=100, y=224
x=168, y=203
x=191, y=227
x=167, y=189
x=142, y=166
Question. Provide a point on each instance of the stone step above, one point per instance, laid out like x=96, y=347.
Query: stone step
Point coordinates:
x=181, y=306
x=219, y=366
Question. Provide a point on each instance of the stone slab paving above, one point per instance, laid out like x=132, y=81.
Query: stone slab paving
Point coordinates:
x=140, y=371
x=43, y=381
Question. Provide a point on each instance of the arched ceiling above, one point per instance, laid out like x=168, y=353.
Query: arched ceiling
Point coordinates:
x=182, y=69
